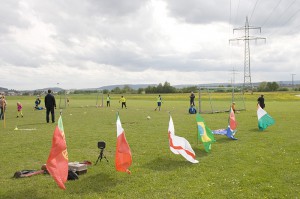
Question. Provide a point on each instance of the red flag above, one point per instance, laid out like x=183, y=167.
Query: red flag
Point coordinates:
x=57, y=163
x=123, y=153
x=232, y=122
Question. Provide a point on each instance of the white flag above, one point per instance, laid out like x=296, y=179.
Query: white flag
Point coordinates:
x=179, y=145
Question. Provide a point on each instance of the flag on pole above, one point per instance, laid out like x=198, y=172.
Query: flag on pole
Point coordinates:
x=57, y=163
x=179, y=145
x=232, y=121
x=123, y=153
x=204, y=133
x=231, y=129
x=264, y=119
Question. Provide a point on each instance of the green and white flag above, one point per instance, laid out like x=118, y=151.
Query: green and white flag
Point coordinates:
x=264, y=119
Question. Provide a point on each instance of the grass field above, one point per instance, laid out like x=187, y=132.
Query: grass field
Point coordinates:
x=258, y=165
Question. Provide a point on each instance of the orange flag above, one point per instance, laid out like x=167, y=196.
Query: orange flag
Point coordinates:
x=57, y=163
x=123, y=153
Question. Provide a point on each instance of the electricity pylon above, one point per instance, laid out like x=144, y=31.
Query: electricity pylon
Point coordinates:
x=246, y=38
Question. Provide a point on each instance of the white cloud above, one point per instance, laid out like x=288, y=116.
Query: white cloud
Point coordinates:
x=93, y=43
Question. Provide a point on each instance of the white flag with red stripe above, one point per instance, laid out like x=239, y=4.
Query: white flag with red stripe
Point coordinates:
x=179, y=145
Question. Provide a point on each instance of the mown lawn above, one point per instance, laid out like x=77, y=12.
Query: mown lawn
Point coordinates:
x=258, y=165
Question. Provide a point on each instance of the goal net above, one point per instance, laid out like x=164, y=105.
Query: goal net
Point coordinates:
x=220, y=99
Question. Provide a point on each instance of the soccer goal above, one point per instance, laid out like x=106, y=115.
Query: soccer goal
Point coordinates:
x=220, y=99
x=63, y=100
x=99, y=99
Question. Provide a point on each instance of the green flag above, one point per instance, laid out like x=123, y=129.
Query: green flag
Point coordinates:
x=204, y=133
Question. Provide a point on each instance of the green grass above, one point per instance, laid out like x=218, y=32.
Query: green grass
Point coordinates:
x=258, y=165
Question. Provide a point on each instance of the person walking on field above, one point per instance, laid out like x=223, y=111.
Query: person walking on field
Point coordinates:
x=159, y=101
x=50, y=104
x=261, y=101
x=19, y=108
x=108, y=100
x=123, y=100
x=192, y=99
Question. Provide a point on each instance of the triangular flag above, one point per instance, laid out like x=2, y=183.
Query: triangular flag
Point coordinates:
x=179, y=145
x=204, y=133
x=123, y=153
x=264, y=119
x=57, y=163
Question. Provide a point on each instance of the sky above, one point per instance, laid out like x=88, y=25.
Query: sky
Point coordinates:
x=75, y=44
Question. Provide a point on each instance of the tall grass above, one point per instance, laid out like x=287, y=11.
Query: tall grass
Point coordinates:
x=257, y=165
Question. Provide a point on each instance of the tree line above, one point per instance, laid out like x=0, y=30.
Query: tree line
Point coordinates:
x=167, y=88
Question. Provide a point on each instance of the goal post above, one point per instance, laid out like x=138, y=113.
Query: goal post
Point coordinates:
x=97, y=98
x=219, y=99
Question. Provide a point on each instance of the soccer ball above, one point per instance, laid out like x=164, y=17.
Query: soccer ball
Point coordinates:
x=148, y=117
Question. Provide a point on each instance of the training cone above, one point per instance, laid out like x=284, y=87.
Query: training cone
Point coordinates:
x=16, y=128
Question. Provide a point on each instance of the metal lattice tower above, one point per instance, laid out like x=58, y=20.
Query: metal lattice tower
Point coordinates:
x=246, y=38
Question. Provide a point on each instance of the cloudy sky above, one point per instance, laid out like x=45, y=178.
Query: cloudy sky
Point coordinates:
x=93, y=43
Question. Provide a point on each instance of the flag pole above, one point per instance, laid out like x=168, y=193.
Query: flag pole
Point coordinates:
x=117, y=114
x=197, y=130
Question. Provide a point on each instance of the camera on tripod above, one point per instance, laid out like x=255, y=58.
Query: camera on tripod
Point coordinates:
x=101, y=146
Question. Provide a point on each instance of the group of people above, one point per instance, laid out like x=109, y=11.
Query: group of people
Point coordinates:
x=50, y=105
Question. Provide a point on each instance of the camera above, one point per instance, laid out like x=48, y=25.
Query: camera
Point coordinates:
x=101, y=145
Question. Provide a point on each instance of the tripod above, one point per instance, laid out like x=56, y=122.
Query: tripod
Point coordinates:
x=101, y=155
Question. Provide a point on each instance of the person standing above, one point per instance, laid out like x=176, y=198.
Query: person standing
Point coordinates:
x=19, y=108
x=50, y=104
x=123, y=100
x=233, y=106
x=2, y=107
x=159, y=101
x=192, y=99
x=108, y=100
x=261, y=101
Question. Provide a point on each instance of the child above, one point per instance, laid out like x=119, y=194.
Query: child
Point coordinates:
x=159, y=101
x=19, y=107
x=123, y=100
x=233, y=106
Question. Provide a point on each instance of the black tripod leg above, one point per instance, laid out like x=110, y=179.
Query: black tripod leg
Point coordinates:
x=98, y=160
x=106, y=159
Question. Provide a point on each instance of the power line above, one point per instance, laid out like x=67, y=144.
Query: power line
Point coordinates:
x=229, y=15
x=253, y=10
x=271, y=12
x=286, y=10
x=292, y=16
x=237, y=10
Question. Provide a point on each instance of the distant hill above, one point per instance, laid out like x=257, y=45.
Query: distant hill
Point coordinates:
x=137, y=86
x=3, y=89
x=133, y=86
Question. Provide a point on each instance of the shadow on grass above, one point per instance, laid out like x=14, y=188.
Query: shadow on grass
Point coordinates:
x=256, y=130
x=98, y=183
x=224, y=139
x=37, y=123
x=200, y=152
x=164, y=164
x=25, y=193
x=86, y=184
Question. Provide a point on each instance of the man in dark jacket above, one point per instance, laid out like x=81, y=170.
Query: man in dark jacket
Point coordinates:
x=261, y=101
x=50, y=105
